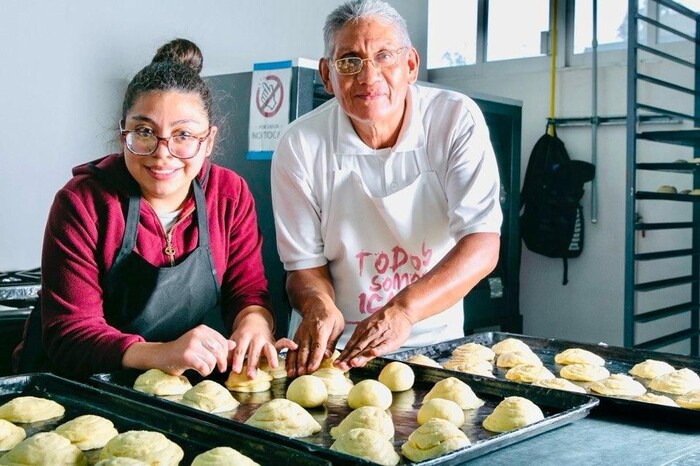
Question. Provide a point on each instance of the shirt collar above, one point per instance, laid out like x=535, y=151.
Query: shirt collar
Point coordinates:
x=412, y=134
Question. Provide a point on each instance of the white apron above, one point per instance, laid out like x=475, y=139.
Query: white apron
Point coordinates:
x=377, y=245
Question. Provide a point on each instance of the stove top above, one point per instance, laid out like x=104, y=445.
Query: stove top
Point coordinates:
x=20, y=285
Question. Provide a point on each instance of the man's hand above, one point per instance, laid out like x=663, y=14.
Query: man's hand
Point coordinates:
x=316, y=337
x=382, y=332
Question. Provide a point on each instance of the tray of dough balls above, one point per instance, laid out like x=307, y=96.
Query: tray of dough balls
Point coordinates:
x=50, y=420
x=386, y=413
x=633, y=381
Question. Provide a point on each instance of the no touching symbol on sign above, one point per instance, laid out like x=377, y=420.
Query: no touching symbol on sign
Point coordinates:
x=269, y=96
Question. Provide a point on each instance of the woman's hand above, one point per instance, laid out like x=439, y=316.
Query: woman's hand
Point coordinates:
x=253, y=336
x=202, y=349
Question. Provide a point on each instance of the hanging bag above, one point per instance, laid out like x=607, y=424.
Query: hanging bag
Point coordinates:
x=551, y=223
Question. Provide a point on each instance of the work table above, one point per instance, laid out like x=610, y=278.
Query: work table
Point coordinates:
x=605, y=439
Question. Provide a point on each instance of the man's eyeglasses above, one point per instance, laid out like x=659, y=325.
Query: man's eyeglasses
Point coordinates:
x=381, y=59
x=144, y=142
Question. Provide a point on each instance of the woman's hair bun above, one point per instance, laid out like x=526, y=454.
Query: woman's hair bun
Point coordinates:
x=181, y=51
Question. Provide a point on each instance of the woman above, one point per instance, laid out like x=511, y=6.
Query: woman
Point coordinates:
x=152, y=257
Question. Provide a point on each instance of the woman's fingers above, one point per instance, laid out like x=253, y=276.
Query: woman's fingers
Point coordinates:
x=285, y=343
x=239, y=354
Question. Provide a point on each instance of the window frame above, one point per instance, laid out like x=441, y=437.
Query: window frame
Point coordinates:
x=565, y=45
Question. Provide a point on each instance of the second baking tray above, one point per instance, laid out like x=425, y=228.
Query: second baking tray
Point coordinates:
x=617, y=360
x=558, y=407
x=193, y=436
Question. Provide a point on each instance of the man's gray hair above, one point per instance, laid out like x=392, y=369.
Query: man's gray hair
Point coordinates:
x=354, y=10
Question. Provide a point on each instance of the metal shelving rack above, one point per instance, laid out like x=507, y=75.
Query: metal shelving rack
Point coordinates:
x=638, y=285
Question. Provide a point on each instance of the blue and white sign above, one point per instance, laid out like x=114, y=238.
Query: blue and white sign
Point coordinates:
x=269, y=107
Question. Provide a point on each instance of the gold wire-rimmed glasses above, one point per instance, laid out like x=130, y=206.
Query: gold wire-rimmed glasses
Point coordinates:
x=381, y=59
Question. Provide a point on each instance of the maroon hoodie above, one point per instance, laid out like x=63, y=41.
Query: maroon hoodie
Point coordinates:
x=83, y=235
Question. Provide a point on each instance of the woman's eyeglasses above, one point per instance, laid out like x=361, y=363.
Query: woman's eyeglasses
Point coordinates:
x=144, y=142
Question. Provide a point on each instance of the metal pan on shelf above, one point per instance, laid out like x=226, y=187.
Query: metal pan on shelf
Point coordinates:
x=559, y=408
x=617, y=360
x=192, y=435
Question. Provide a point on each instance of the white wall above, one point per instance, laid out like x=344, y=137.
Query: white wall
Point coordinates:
x=590, y=308
x=65, y=66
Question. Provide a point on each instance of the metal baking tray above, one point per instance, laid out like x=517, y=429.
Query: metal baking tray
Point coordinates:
x=558, y=407
x=193, y=436
x=617, y=360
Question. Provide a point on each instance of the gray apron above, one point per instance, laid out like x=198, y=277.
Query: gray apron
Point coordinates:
x=163, y=303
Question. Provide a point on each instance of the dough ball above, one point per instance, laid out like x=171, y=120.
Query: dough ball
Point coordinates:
x=239, y=382
x=45, y=448
x=455, y=390
x=367, y=444
x=508, y=345
x=307, y=391
x=328, y=362
x=148, y=446
x=209, y=396
x=366, y=417
x=284, y=417
x=512, y=413
x=690, y=400
x=121, y=462
x=480, y=367
x=157, y=382
x=369, y=393
x=336, y=382
x=578, y=356
x=651, y=369
x=223, y=455
x=528, y=373
x=10, y=435
x=653, y=398
x=397, y=376
x=88, y=432
x=665, y=188
x=559, y=384
x=584, y=372
x=423, y=360
x=618, y=385
x=278, y=372
x=442, y=409
x=677, y=382
x=475, y=350
x=434, y=438
x=467, y=361
x=516, y=358
x=30, y=409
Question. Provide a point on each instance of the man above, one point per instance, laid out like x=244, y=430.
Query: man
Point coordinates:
x=386, y=199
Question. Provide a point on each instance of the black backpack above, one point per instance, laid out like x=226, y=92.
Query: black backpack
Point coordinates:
x=552, y=223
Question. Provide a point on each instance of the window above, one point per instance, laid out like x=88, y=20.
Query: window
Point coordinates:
x=475, y=32
x=451, y=33
x=454, y=25
x=677, y=21
x=611, y=27
x=515, y=27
